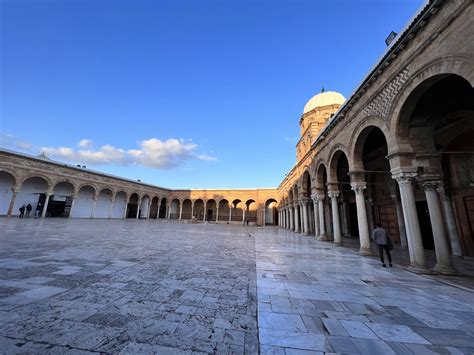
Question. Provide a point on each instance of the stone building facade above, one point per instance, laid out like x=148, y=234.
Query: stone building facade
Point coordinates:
x=400, y=150
x=62, y=190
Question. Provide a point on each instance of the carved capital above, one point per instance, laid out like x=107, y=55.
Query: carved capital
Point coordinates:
x=358, y=187
x=430, y=185
x=333, y=194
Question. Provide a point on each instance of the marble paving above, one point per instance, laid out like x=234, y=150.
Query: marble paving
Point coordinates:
x=128, y=287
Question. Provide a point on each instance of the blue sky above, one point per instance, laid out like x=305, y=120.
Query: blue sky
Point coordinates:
x=182, y=94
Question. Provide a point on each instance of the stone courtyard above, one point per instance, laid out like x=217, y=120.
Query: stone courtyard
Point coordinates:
x=136, y=286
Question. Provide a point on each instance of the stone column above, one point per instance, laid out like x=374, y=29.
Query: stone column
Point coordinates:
x=180, y=210
x=401, y=222
x=230, y=214
x=243, y=214
x=73, y=199
x=305, y=227
x=443, y=265
x=412, y=224
x=297, y=218
x=292, y=219
x=149, y=209
x=316, y=215
x=217, y=212
x=12, y=202
x=168, y=210
x=137, y=216
x=451, y=223
x=322, y=223
x=333, y=195
x=95, y=198
x=112, y=204
x=205, y=211
x=344, y=220
x=125, y=212
x=46, y=202
x=192, y=210
x=364, y=236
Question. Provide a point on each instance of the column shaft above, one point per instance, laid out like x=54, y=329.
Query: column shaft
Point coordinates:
x=364, y=235
x=335, y=218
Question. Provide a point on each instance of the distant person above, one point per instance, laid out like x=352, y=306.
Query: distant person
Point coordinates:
x=39, y=208
x=381, y=238
x=28, y=210
x=247, y=222
x=22, y=211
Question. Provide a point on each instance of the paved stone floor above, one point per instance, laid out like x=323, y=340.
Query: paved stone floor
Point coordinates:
x=79, y=286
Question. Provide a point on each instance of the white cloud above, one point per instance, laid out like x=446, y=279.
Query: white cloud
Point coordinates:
x=151, y=152
x=85, y=144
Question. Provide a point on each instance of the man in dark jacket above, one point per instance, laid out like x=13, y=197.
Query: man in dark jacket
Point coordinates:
x=28, y=210
x=383, y=242
x=22, y=211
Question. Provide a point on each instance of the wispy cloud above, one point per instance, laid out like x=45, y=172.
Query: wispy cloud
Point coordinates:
x=153, y=152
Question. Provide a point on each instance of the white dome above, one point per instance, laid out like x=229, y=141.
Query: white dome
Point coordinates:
x=324, y=99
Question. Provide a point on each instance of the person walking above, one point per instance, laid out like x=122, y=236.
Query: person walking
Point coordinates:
x=22, y=211
x=28, y=210
x=381, y=238
x=38, y=210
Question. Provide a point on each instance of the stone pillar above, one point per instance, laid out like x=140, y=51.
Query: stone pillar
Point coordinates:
x=46, y=202
x=443, y=265
x=364, y=236
x=73, y=199
x=412, y=224
x=217, y=212
x=125, y=212
x=451, y=223
x=344, y=221
x=333, y=195
x=204, y=212
x=401, y=222
x=95, y=198
x=304, y=210
x=12, y=202
x=322, y=223
x=112, y=204
x=243, y=214
x=168, y=210
x=230, y=215
x=137, y=216
x=149, y=209
x=292, y=219
x=297, y=218
x=180, y=210
x=316, y=215
x=192, y=210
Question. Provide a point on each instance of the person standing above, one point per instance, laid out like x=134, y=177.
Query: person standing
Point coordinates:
x=22, y=211
x=28, y=210
x=39, y=207
x=381, y=238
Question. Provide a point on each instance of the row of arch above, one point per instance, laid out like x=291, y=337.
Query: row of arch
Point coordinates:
x=66, y=199
x=415, y=179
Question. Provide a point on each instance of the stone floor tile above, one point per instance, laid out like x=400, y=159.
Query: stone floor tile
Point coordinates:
x=398, y=333
x=334, y=327
x=358, y=329
x=446, y=337
x=295, y=340
x=291, y=322
x=371, y=346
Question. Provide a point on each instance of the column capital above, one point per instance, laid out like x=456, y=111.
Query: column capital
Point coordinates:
x=74, y=196
x=358, y=187
x=49, y=192
x=430, y=185
x=404, y=178
x=16, y=190
x=333, y=194
x=304, y=201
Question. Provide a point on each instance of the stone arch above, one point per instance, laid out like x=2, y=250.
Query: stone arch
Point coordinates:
x=224, y=210
x=7, y=184
x=175, y=208
x=237, y=209
x=33, y=191
x=334, y=157
x=199, y=207
x=120, y=204
x=457, y=64
x=93, y=186
x=251, y=211
x=271, y=212
x=305, y=183
x=83, y=205
x=103, y=203
x=35, y=175
x=359, y=136
x=321, y=174
x=68, y=181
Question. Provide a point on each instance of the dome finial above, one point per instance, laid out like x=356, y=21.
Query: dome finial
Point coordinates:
x=322, y=89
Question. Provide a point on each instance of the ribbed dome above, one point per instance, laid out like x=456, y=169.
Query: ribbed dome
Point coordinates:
x=324, y=99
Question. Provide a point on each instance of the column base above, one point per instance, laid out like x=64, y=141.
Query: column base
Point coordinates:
x=446, y=270
x=419, y=269
x=365, y=251
x=338, y=244
x=322, y=238
x=304, y=233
